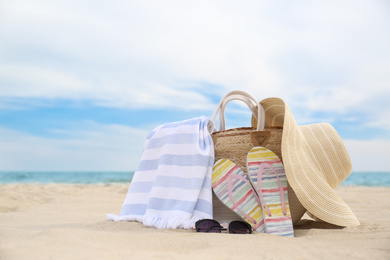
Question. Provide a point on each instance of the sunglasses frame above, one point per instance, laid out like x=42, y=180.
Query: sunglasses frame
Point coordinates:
x=245, y=224
x=217, y=225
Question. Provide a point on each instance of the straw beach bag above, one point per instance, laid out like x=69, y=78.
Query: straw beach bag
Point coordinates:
x=234, y=144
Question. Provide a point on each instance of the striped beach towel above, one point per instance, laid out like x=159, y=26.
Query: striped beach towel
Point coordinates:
x=171, y=187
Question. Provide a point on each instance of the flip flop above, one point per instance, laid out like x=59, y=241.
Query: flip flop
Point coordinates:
x=267, y=175
x=232, y=186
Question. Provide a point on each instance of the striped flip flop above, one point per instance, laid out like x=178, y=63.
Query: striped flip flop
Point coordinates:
x=266, y=172
x=232, y=186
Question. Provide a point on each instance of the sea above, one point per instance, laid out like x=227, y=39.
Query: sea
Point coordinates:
x=369, y=179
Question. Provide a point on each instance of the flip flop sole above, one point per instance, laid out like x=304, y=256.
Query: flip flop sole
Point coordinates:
x=232, y=187
x=273, y=178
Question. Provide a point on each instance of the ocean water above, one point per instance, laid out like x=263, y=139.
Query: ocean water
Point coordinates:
x=72, y=177
x=370, y=179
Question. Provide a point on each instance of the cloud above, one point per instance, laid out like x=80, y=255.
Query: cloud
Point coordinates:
x=369, y=155
x=84, y=49
x=42, y=82
x=328, y=60
x=92, y=147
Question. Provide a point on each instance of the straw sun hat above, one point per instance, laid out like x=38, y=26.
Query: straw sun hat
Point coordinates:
x=315, y=161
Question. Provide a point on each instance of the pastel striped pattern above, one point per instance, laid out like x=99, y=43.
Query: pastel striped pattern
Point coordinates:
x=171, y=187
x=243, y=194
x=277, y=223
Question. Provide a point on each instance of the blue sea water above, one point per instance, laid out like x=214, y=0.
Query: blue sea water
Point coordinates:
x=371, y=179
x=72, y=177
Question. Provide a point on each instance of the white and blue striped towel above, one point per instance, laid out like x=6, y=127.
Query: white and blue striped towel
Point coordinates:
x=171, y=187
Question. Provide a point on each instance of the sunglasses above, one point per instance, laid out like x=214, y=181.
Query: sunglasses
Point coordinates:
x=213, y=226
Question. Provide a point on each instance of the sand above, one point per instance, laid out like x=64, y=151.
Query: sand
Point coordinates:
x=59, y=221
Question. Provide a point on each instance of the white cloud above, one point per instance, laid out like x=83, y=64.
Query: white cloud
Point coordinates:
x=96, y=147
x=41, y=82
x=369, y=155
x=319, y=56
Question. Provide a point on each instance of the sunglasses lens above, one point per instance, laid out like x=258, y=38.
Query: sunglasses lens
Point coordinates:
x=240, y=227
x=208, y=226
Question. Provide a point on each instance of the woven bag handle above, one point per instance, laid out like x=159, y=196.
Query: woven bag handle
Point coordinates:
x=248, y=99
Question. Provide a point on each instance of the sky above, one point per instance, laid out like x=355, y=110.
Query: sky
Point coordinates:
x=83, y=82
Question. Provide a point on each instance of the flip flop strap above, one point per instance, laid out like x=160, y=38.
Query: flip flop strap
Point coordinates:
x=259, y=182
x=230, y=191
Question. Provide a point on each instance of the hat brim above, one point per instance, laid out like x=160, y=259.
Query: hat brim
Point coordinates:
x=316, y=161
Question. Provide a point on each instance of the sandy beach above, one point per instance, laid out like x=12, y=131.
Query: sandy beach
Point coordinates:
x=63, y=221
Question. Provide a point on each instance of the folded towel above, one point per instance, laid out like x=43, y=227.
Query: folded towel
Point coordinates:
x=171, y=187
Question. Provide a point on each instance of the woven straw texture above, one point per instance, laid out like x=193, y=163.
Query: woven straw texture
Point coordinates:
x=234, y=144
